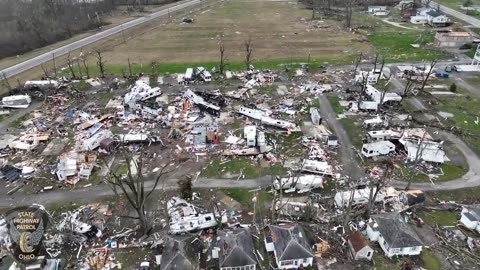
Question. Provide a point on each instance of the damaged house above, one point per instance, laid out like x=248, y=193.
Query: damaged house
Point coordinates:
x=141, y=97
x=299, y=184
x=470, y=217
x=73, y=166
x=394, y=235
x=266, y=119
x=185, y=217
x=289, y=245
x=426, y=151
x=235, y=250
x=178, y=252
x=201, y=103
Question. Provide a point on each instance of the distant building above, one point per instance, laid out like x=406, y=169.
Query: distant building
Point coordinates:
x=437, y=19
x=452, y=39
x=378, y=10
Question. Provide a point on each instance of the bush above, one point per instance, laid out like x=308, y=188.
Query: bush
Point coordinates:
x=453, y=88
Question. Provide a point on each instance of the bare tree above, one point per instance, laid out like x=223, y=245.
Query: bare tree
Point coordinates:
x=83, y=59
x=45, y=71
x=409, y=85
x=70, y=66
x=100, y=63
x=348, y=12
x=5, y=81
x=429, y=73
x=248, y=51
x=133, y=188
x=129, y=67
x=221, y=48
x=54, y=64
x=377, y=184
x=357, y=61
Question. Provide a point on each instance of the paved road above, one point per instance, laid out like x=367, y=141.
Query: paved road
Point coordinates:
x=36, y=61
x=470, y=179
x=347, y=154
x=83, y=195
x=457, y=14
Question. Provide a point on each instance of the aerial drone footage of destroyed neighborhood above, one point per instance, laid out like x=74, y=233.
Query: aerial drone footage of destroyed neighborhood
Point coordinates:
x=240, y=135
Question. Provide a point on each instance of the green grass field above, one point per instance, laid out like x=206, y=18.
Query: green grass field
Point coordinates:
x=396, y=46
x=456, y=4
x=334, y=102
x=440, y=218
x=465, y=111
x=353, y=131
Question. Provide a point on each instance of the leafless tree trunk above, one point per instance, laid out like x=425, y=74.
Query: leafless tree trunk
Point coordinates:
x=418, y=156
x=79, y=69
x=364, y=87
x=379, y=184
x=83, y=59
x=45, y=71
x=133, y=188
x=357, y=61
x=348, y=12
x=430, y=71
x=129, y=67
x=5, y=81
x=54, y=64
x=100, y=63
x=221, y=48
x=70, y=66
x=409, y=85
x=248, y=51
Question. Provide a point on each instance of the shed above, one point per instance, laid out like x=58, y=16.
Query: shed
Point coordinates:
x=359, y=248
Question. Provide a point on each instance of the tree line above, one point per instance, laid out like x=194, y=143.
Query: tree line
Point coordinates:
x=28, y=25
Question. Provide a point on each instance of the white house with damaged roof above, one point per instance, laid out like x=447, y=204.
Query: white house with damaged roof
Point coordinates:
x=394, y=235
x=426, y=151
x=235, y=250
x=470, y=217
x=289, y=245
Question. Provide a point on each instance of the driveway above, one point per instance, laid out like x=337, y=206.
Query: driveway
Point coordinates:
x=348, y=156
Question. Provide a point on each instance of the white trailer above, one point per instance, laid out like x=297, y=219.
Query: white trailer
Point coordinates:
x=188, y=75
x=380, y=148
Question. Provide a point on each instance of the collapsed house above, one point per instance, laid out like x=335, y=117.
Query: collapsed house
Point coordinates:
x=185, y=217
x=382, y=98
x=16, y=102
x=299, y=184
x=201, y=103
x=75, y=223
x=470, y=217
x=73, y=166
x=371, y=77
x=426, y=151
x=141, y=97
x=266, y=119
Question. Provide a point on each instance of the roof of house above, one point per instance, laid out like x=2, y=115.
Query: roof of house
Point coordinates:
x=289, y=241
x=473, y=213
x=236, y=248
x=178, y=253
x=435, y=13
x=357, y=241
x=396, y=232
